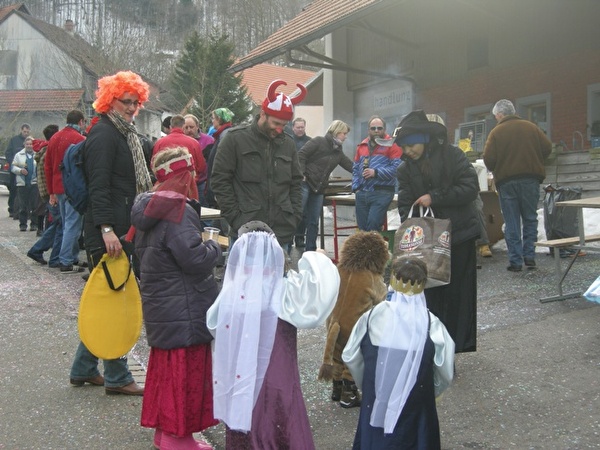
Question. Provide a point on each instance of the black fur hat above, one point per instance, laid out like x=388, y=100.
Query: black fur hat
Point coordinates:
x=416, y=122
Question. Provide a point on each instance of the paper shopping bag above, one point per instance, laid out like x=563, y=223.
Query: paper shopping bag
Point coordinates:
x=426, y=238
x=110, y=310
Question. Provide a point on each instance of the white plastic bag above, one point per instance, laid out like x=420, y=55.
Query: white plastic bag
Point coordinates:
x=593, y=292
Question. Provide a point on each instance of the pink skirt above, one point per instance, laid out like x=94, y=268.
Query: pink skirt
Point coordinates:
x=178, y=395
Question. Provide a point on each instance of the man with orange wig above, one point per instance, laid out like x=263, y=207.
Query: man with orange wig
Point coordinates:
x=116, y=172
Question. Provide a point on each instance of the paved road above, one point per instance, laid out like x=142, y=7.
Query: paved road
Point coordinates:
x=532, y=384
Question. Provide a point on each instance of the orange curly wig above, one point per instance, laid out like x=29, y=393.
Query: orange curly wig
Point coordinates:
x=115, y=86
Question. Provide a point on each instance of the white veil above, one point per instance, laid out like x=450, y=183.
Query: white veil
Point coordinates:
x=399, y=357
x=244, y=319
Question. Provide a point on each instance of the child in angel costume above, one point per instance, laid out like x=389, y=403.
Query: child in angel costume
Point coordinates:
x=256, y=390
x=402, y=358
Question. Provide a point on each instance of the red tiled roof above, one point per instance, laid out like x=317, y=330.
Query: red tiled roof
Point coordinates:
x=316, y=20
x=40, y=100
x=8, y=9
x=257, y=79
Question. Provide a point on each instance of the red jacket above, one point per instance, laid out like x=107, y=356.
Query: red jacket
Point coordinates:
x=177, y=139
x=57, y=146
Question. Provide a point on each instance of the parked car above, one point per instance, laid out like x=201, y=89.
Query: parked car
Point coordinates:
x=4, y=172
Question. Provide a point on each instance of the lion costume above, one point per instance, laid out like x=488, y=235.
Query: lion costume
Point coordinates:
x=362, y=264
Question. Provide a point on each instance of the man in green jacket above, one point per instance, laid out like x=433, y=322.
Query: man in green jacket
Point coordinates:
x=515, y=151
x=256, y=175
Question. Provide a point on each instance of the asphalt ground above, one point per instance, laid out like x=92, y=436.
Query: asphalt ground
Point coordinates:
x=532, y=384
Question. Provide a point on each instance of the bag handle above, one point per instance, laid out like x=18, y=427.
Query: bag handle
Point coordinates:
x=428, y=211
x=109, y=278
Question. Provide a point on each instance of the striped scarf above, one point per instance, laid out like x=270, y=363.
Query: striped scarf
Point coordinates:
x=143, y=182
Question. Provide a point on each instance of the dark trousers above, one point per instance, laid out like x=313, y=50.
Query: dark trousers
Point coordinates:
x=28, y=196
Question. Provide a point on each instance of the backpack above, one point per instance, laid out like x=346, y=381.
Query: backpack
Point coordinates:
x=73, y=177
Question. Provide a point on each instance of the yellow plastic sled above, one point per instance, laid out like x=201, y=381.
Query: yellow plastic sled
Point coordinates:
x=110, y=310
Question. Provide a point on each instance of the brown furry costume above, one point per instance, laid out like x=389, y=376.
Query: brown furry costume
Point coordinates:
x=362, y=264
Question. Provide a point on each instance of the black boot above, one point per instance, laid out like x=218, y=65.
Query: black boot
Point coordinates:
x=336, y=392
x=350, y=396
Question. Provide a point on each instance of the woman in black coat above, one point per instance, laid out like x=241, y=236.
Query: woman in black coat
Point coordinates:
x=438, y=175
x=317, y=158
x=116, y=170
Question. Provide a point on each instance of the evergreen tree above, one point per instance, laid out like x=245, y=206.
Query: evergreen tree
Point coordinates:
x=202, y=83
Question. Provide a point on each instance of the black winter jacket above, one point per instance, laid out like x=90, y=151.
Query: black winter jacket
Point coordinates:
x=318, y=157
x=111, y=183
x=453, y=186
x=176, y=277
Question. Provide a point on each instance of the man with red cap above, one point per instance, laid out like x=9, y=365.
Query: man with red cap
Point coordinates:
x=256, y=175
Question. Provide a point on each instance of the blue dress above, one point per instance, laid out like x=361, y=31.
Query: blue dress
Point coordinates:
x=418, y=426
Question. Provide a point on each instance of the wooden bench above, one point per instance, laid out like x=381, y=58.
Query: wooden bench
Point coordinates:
x=560, y=274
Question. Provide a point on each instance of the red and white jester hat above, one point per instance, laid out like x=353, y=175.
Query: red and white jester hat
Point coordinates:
x=280, y=105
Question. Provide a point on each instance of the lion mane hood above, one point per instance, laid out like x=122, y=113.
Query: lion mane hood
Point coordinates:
x=364, y=250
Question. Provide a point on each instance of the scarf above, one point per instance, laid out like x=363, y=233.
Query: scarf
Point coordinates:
x=143, y=182
x=30, y=167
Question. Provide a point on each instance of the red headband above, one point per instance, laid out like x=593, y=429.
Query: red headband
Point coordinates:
x=173, y=166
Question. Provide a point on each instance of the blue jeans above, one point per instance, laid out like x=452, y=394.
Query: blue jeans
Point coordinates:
x=72, y=222
x=518, y=201
x=371, y=209
x=85, y=365
x=312, y=205
x=51, y=239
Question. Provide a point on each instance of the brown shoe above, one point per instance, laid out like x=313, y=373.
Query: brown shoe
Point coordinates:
x=98, y=380
x=129, y=389
x=485, y=251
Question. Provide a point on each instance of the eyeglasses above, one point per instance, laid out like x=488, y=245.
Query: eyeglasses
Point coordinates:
x=376, y=128
x=128, y=102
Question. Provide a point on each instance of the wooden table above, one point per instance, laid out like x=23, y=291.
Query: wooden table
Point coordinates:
x=346, y=200
x=578, y=242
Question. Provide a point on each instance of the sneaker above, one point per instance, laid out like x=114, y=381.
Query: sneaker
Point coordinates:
x=37, y=258
x=81, y=263
x=350, y=396
x=23, y=227
x=529, y=263
x=512, y=268
x=484, y=250
x=73, y=268
x=33, y=228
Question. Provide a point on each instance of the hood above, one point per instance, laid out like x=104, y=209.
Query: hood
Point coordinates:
x=39, y=144
x=365, y=250
x=138, y=219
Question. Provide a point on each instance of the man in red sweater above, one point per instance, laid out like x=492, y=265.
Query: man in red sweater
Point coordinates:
x=176, y=138
x=71, y=219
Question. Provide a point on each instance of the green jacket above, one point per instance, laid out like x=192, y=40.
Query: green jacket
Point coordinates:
x=258, y=178
x=516, y=148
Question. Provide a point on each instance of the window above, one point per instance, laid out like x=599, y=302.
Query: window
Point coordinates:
x=536, y=108
x=593, y=113
x=477, y=53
